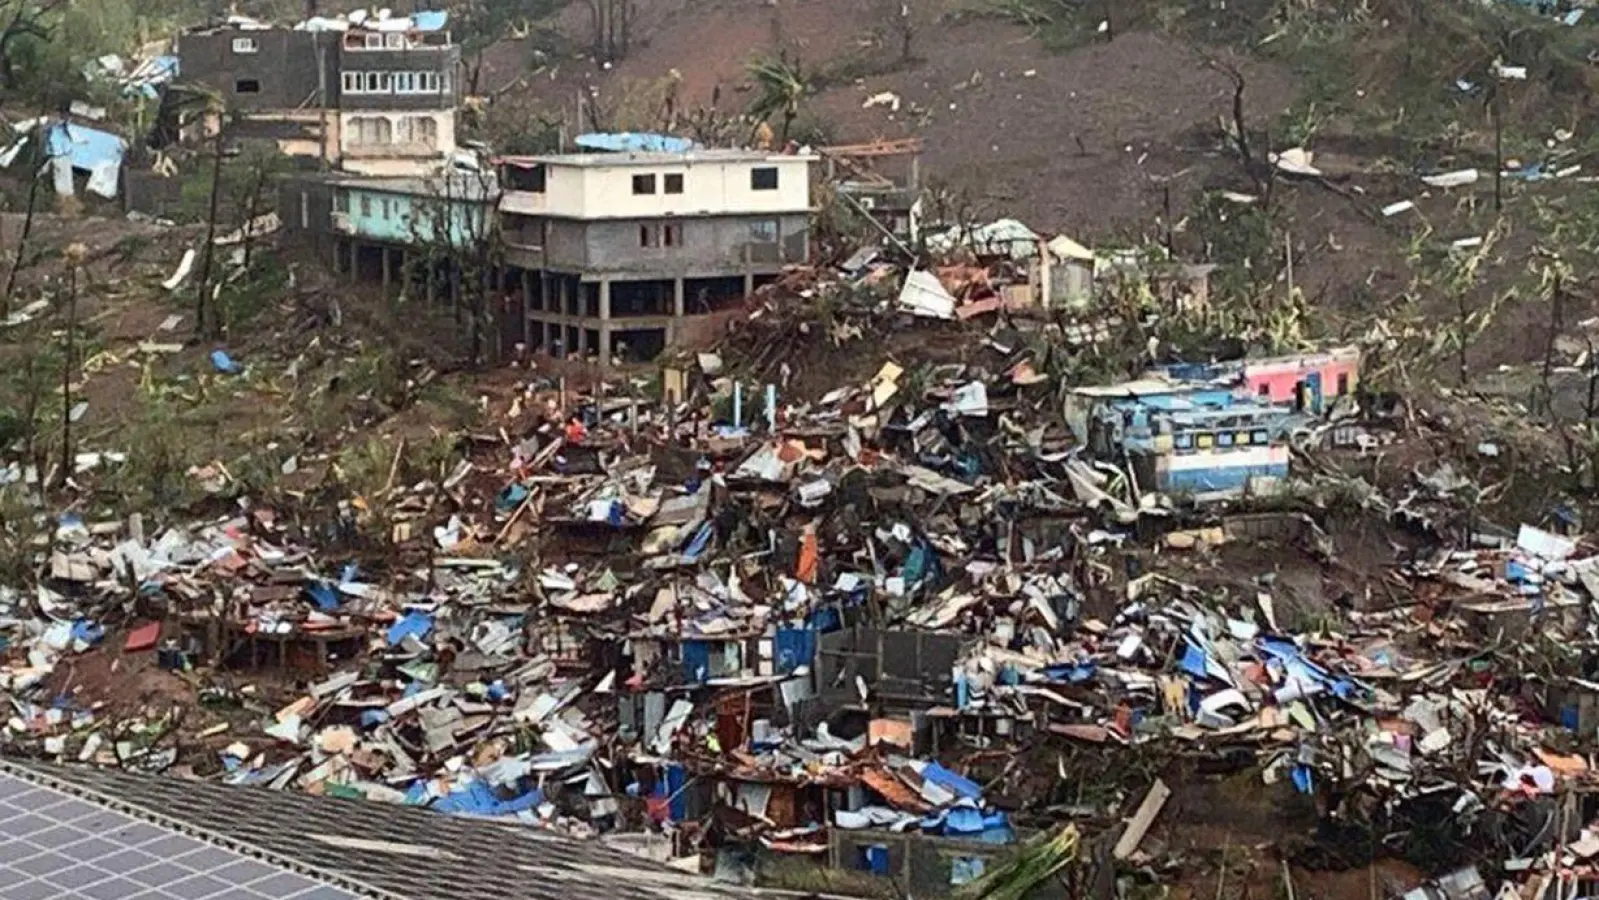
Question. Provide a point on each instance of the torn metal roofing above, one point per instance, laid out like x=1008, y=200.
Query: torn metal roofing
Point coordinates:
x=80, y=832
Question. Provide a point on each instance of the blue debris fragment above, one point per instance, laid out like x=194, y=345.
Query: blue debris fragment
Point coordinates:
x=224, y=363
x=323, y=595
x=414, y=624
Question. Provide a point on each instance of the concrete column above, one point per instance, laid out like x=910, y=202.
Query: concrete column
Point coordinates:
x=582, y=348
x=431, y=276
x=605, y=303
x=605, y=332
x=405, y=277
x=749, y=284
x=388, y=269
x=677, y=298
x=355, y=260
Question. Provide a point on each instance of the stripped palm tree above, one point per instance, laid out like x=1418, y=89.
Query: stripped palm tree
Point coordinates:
x=781, y=87
x=1026, y=870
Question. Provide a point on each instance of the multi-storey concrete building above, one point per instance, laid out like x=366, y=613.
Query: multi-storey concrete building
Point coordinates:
x=375, y=96
x=616, y=252
x=603, y=255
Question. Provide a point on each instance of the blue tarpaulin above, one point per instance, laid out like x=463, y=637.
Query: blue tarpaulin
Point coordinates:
x=634, y=142
x=478, y=799
x=431, y=20
x=794, y=647
x=323, y=595
x=874, y=859
x=86, y=148
x=224, y=363
x=696, y=661
x=965, y=870
x=943, y=777
x=87, y=632
x=414, y=624
x=677, y=798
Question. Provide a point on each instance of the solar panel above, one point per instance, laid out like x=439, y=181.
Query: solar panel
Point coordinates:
x=54, y=846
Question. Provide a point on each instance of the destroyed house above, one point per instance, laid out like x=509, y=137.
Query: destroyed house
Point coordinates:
x=1307, y=381
x=77, y=832
x=376, y=97
x=619, y=254
x=1184, y=437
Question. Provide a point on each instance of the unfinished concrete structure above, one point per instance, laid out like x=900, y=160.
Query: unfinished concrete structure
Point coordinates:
x=617, y=253
x=375, y=96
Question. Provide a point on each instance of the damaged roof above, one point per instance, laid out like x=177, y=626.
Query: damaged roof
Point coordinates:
x=74, y=832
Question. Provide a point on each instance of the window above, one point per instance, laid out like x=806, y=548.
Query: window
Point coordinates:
x=405, y=82
x=369, y=130
x=424, y=131
x=374, y=42
x=525, y=178
x=648, y=236
x=1264, y=390
x=366, y=205
x=763, y=178
x=1343, y=383
x=373, y=79
x=350, y=82
x=1259, y=437
x=386, y=208
x=672, y=234
x=763, y=231
x=1185, y=441
x=385, y=83
x=674, y=184
x=643, y=184
x=1224, y=438
x=1204, y=441
x=341, y=202
x=246, y=86
x=246, y=45
x=394, y=41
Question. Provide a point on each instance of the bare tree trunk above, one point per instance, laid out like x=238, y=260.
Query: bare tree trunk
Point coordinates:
x=1499, y=148
x=1464, y=313
x=27, y=229
x=252, y=210
x=67, y=456
x=1556, y=323
x=201, y=300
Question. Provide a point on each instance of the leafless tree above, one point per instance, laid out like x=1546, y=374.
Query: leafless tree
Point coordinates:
x=23, y=19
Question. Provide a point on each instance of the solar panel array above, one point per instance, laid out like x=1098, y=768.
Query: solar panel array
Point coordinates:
x=54, y=846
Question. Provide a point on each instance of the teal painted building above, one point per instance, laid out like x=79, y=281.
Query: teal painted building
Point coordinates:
x=415, y=212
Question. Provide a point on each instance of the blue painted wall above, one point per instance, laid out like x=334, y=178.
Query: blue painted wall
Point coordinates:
x=407, y=219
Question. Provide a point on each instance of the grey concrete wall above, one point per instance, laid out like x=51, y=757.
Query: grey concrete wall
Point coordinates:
x=285, y=66
x=708, y=246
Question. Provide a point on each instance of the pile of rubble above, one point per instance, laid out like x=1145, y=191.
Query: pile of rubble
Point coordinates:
x=804, y=622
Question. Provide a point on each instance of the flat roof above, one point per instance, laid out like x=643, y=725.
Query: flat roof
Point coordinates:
x=468, y=186
x=688, y=158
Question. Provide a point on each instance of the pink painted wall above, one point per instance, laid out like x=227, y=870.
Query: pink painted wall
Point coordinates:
x=1281, y=376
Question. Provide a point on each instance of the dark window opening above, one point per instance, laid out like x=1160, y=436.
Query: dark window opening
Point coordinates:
x=1343, y=383
x=763, y=179
x=674, y=184
x=648, y=237
x=672, y=235
x=1265, y=390
x=526, y=178
x=246, y=86
x=643, y=184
